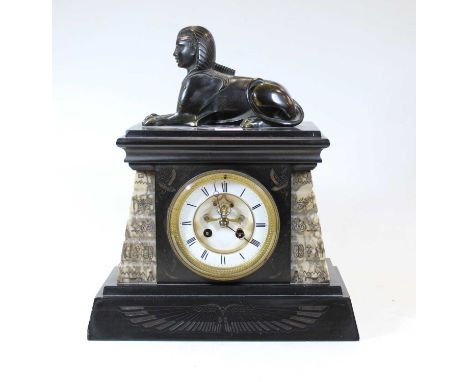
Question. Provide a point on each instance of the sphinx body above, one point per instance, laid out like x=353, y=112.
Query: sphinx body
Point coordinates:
x=211, y=94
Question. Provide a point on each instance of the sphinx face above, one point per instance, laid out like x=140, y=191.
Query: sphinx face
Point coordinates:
x=185, y=52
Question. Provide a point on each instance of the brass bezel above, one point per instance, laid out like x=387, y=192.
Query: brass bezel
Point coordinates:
x=207, y=271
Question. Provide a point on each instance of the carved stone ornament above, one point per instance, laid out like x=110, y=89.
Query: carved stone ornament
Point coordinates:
x=138, y=263
x=228, y=318
x=308, y=263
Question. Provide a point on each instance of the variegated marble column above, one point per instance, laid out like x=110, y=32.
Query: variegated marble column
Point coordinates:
x=308, y=264
x=138, y=262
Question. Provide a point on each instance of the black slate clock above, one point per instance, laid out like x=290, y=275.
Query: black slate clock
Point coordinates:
x=223, y=240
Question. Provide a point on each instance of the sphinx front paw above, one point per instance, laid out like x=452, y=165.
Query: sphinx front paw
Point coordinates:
x=253, y=122
x=150, y=120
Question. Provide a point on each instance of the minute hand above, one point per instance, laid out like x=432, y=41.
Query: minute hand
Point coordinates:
x=235, y=232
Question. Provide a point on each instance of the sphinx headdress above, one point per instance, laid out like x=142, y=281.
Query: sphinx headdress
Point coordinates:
x=206, y=49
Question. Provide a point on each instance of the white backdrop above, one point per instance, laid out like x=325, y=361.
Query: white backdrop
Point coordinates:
x=350, y=64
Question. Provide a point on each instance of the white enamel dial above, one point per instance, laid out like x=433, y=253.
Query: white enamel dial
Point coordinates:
x=223, y=224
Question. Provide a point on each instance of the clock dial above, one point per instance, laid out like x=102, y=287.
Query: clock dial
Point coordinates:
x=223, y=224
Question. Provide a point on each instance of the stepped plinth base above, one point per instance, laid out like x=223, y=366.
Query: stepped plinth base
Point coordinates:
x=223, y=312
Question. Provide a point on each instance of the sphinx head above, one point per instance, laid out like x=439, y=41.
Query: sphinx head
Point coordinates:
x=195, y=49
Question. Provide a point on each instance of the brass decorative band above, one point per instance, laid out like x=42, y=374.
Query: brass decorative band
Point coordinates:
x=197, y=266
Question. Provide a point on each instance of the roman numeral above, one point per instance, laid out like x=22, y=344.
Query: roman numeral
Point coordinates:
x=191, y=205
x=255, y=242
x=187, y=223
x=214, y=185
x=261, y=225
x=256, y=206
x=240, y=254
x=205, y=191
x=191, y=241
x=223, y=260
x=242, y=193
x=204, y=254
x=224, y=186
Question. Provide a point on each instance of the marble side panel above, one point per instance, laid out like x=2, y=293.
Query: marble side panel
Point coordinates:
x=308, y=265
x=138, y=261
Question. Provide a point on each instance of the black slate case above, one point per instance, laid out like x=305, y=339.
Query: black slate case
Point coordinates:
x=183, y=305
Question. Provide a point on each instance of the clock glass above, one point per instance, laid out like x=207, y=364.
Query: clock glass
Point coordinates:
x=223, y=225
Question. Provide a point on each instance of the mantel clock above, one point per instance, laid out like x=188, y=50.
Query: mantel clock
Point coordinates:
x=223, y=240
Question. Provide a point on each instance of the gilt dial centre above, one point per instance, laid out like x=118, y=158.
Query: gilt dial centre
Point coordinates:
x=224, y=216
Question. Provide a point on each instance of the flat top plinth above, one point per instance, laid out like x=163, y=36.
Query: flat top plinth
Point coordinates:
x=299, y=146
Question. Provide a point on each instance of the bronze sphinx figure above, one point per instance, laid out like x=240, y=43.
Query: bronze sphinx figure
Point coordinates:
x=211, y=94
